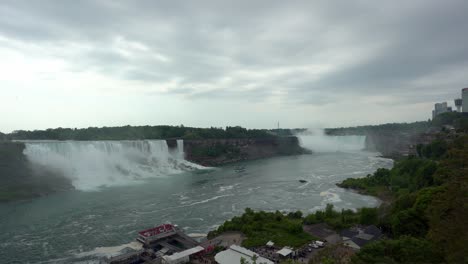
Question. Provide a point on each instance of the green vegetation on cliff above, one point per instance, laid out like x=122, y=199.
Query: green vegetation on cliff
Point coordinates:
x=458, y=120
x=414, y=128
x=429, y=208
x=215, y=152
x=344, y=218
x=455, y=119
x=261, y=227
x=139, y=132
x=404, y=250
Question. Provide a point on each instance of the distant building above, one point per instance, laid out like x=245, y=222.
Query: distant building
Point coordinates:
x=465, y=100
x=458, y=104
x=440, y=108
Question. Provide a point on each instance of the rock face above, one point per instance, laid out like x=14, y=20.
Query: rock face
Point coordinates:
x=215, y=152
x=396, y=145
x=19, y=180
x=390, y=144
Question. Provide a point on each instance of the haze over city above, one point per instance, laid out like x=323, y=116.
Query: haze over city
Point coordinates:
x=218, y=63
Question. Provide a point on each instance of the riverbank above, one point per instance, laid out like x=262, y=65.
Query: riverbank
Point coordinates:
x=426, y=203
x=22, y=178
x=197, y=201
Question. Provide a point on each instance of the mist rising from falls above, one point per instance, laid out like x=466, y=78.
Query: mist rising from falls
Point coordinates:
x=94, y=164
x=317, y=141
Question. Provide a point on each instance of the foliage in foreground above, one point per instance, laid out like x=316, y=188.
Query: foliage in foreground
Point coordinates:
x=404, y=250
x=343, y=219
x=333, y=254
x=261, y=227
x=430, y=208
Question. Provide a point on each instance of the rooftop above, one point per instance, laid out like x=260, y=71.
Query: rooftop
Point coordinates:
x=284, y=251
x=234, y=254
x=184, y=253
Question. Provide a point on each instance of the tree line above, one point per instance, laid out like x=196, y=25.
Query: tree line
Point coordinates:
x=459, y=121
x=142, y=132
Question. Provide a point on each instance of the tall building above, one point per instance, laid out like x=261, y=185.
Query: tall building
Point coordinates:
x=458, y=104
x=440, y=108
x=465, y=100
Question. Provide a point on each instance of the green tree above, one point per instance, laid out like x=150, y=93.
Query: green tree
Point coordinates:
x=368, y=216
x=403, y=250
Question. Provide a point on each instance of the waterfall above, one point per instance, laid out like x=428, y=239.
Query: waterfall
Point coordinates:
x=94, y=164
x=317, y=141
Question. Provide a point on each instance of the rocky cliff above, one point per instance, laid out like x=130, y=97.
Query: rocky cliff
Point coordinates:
x=18, y=180
x=390, y=144
x=391, y=140
x=215, y=152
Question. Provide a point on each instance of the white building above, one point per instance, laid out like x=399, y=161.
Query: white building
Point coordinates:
x=465, y=100
x=285, y=252
x=234, y=254
x=182, y=257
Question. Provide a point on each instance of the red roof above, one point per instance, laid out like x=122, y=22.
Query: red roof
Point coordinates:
x=465, y=89
x=157, y=230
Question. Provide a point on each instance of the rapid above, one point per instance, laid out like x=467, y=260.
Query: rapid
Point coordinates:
x=126, y=186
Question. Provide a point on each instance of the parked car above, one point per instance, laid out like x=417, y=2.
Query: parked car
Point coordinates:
x=319, y=243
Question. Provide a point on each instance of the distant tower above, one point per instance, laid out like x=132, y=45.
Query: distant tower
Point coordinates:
x=465, y=100
x=458, y=104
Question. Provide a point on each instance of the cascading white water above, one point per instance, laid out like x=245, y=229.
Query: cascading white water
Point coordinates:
x=317, y=141
x=93, y=164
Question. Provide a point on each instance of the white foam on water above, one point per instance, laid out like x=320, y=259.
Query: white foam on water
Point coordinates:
x=94, y=164
x=110, y=251
x=227, y=187
x=330, y=197
x=304, y=185
x=210, y=199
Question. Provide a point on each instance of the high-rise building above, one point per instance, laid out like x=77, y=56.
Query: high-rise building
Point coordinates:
x=465, y=100
x=440, y=108
x=458, y=104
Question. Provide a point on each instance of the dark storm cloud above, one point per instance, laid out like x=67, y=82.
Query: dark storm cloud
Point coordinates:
x=258, y=49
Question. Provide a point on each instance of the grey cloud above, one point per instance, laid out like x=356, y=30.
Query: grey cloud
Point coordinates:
x=207, y=41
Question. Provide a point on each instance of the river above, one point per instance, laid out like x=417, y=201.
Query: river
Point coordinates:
x=101, y=219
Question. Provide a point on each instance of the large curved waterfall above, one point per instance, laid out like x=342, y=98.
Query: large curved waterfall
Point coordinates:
x=317, y=141
x=93, y=164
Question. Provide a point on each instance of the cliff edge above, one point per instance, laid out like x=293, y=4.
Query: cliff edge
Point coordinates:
x=19, y=180
x=216, y=152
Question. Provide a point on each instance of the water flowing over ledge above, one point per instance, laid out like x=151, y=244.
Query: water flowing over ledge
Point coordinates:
x=94, y=164
x=317, y=141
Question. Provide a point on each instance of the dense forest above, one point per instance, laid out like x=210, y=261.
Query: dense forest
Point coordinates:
x=147, y=132
x=428, y=214
x=455, y=119
x=458, y=120
x=140, y=132
x=414, y=128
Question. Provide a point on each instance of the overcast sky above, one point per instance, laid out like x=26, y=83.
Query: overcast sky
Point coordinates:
x=217, y=63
